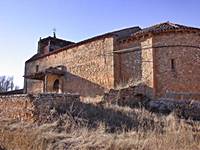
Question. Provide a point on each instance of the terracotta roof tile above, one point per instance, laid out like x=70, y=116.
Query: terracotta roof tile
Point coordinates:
x=164, y=27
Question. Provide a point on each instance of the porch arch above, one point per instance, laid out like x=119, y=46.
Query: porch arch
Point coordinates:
x=56, y=86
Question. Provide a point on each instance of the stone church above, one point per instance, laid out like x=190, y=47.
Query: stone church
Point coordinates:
x=165, y=57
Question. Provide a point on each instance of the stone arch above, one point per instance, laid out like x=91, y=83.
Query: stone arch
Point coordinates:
x=56, y=86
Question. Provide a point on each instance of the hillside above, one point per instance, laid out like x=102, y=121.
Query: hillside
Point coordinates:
x=107, y=126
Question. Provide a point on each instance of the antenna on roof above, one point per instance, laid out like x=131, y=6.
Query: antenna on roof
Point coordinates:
x=54, y=32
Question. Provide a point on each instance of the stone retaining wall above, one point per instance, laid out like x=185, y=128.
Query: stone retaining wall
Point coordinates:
x=132, y=96
x=32, y=108
x=182, y=95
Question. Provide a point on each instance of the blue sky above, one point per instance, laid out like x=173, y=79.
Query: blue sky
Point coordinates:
x=22, y=22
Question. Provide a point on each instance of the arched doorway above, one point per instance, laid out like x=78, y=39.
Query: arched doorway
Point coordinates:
x=56, y=86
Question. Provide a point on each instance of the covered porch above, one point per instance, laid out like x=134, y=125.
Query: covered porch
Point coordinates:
x=52, y=79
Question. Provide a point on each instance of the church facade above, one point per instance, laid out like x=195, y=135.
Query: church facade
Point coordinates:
x=165, y=57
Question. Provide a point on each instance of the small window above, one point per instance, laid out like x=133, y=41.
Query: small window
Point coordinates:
x=172, y=64
x=37, y=68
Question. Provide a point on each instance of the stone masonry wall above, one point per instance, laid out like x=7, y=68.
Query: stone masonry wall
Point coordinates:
x=155, y=53
x=89, y=67
x=34, y=108
x=127, y=65
x=17, y=107
x=183, y=80
x=147, y=62
x=34, y=86
x=134, y=62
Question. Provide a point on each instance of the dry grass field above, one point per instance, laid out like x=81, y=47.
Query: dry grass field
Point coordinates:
x=87, y=126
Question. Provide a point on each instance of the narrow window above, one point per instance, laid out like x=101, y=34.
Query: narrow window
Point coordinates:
x=172, y=64
x=37, y=68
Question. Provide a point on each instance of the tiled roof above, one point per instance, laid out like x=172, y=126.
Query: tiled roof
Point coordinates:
x=55, y=39
x=20, y=91
x=119, y=33
x=124, y=33
x=164, y=27
x=40, y=75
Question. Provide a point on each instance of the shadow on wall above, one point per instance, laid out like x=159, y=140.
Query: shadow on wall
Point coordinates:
x=127, y=63
x=77, y=84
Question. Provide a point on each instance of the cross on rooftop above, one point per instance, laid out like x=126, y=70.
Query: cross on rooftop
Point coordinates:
x=54, y=32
